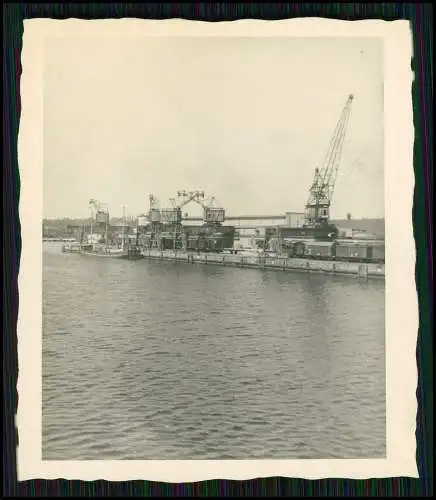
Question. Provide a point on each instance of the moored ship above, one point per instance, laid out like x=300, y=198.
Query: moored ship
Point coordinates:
x=71, y=246
x=101, y=250
x=105, y=240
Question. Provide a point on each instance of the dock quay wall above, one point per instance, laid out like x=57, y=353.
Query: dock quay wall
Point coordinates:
x=370, y=270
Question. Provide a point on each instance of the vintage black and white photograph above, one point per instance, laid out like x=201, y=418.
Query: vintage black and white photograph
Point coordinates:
x=214, y=255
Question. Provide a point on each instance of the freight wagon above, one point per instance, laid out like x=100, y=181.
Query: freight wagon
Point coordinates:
x=353, y=252
x=192, y=244
x=204, y=244
x=209, y=239
x=340, y=251
x=167, y=243
x=294, y=248
x=378, y=253
x=320, y=250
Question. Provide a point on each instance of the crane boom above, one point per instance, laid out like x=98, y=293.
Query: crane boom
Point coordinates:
x=186, y=197
x=212, y=212
x=322, y=188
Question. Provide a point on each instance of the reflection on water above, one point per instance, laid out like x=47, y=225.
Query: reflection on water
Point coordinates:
x=158, y=360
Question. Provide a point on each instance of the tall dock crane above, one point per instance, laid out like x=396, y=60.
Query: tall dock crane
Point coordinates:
x=317, y=211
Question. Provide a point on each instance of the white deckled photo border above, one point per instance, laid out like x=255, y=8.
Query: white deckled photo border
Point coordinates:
x=401, y=295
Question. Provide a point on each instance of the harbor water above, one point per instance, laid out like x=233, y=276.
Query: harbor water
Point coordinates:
x=166, y=360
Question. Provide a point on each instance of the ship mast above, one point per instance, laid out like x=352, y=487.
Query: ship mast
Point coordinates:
x=124, y=226
x=106, y=234
x=93, y=205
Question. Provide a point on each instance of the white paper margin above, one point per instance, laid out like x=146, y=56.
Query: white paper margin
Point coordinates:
x=401, y=295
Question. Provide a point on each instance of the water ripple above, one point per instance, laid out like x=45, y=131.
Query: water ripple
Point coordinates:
x=151, y=360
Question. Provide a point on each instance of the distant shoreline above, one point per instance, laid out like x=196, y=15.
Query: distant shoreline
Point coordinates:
x=64, y=228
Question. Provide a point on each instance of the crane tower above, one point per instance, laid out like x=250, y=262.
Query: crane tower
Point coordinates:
x=213, y=213
x=154, y=220
x=321, y=191
x=172, y=217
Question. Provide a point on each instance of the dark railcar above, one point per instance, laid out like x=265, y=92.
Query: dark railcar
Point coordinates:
x=192, y=244
x=297, y=249
x=170, y=243
x=320, y=250
x=202, y=245
x=220, y=238
x=353, y=252
x=209, y=238
x=167, y=243
x=216, y=243
x=378, y=253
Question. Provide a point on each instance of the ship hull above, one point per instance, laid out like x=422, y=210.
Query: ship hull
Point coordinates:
x=71, y=250
x=73, y=247
x=130, y=254
x=124, y=255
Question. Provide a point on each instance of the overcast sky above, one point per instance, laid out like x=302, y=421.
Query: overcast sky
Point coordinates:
x=247, y=120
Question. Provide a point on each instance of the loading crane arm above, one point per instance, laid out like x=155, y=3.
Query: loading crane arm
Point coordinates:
x=323, y=185
x=185, y=197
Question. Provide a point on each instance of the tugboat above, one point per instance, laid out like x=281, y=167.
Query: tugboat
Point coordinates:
x=98, y=245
